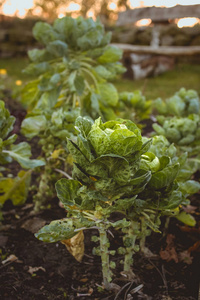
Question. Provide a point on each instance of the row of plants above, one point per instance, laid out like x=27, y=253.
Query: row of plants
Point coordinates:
x=107, y=173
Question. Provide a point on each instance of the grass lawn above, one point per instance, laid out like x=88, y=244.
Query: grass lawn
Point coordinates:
x=164, y=86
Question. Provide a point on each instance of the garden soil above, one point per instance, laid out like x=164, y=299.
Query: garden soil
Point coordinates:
x=33, y=270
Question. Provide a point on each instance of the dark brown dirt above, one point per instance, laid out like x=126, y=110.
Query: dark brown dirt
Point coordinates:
x=59, y=276
x=48, y=271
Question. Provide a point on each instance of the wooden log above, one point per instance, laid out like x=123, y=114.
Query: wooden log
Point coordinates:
x=158, y=14
x=161, y=50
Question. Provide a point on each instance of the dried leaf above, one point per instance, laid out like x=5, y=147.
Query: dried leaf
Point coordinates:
x=185, y=257
x=195, y=247
x=10, y=258
x=32, y=270
x=170, y=252
x=83, y=279
x=34, y=224
x=189, y=209
x=75, y=246
x=189, y=229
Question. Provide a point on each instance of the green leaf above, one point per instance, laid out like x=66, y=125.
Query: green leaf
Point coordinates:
x=76, y=153
x=57, y=231
x=29, y=94
x=160, y=106
x=6, y=121
x=55, y=78
x=58, y=48
x=21, y=154
x=85, y=147
x=158, y=129
x=32, y=126
x=66, y=27
x=141, y=178
x=10, y=140
x=83, y=125
x=88, y=199
x=103, y=72
x=37, y=55
x=176, y=105
x=110, y=55
x=79, y=84
x=164, y=178
x=90, y=39
x=109, y=94
x=117, y=167
x=189, y=187
x=113, y=137
x=67, y=191
x=43, y=32
x=186, y=218
x=37, y=69
x=95, y=109
x=172, y=202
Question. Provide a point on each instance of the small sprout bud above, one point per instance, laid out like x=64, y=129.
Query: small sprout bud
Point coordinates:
x=112, y=252
x=136, y=248
x=121, y=250
x=112, y=265
x=127, y=242
x=96, y=251
x=148, y=232
x=95, y=238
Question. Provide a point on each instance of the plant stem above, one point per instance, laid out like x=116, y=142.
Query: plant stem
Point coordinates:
x=91, y=76
x=132, y=236
x=43, y=190
x=104, y=252
x=143, y=236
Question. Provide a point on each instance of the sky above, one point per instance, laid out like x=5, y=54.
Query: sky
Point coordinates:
x=168, y=3
x=20, y=6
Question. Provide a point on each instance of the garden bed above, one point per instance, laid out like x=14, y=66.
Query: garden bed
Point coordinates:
x=31, y=269
x=48, y=271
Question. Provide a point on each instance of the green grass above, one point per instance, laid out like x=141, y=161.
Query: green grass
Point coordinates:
x=14, y=67
x=164, y=86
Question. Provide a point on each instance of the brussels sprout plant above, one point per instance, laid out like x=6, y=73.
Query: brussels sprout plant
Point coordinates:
x=179, y=122
x=115, y=172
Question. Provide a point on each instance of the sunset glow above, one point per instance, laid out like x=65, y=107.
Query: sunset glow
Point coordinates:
x=19, y=7
x=167, y=3
x=187, y=22
x=112, y=6
x=143, y=22
x=73, y=7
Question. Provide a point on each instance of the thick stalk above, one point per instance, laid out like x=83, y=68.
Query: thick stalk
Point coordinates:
x=131, y=236
x=143, y=235
x=43, y=190
x=104, y=252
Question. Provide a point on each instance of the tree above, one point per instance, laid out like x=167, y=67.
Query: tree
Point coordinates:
x=49, y=8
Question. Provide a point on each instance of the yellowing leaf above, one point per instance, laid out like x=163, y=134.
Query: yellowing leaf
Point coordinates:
x=75, y=246
x=56, y=153
x=15, y=189
x=186, y=218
